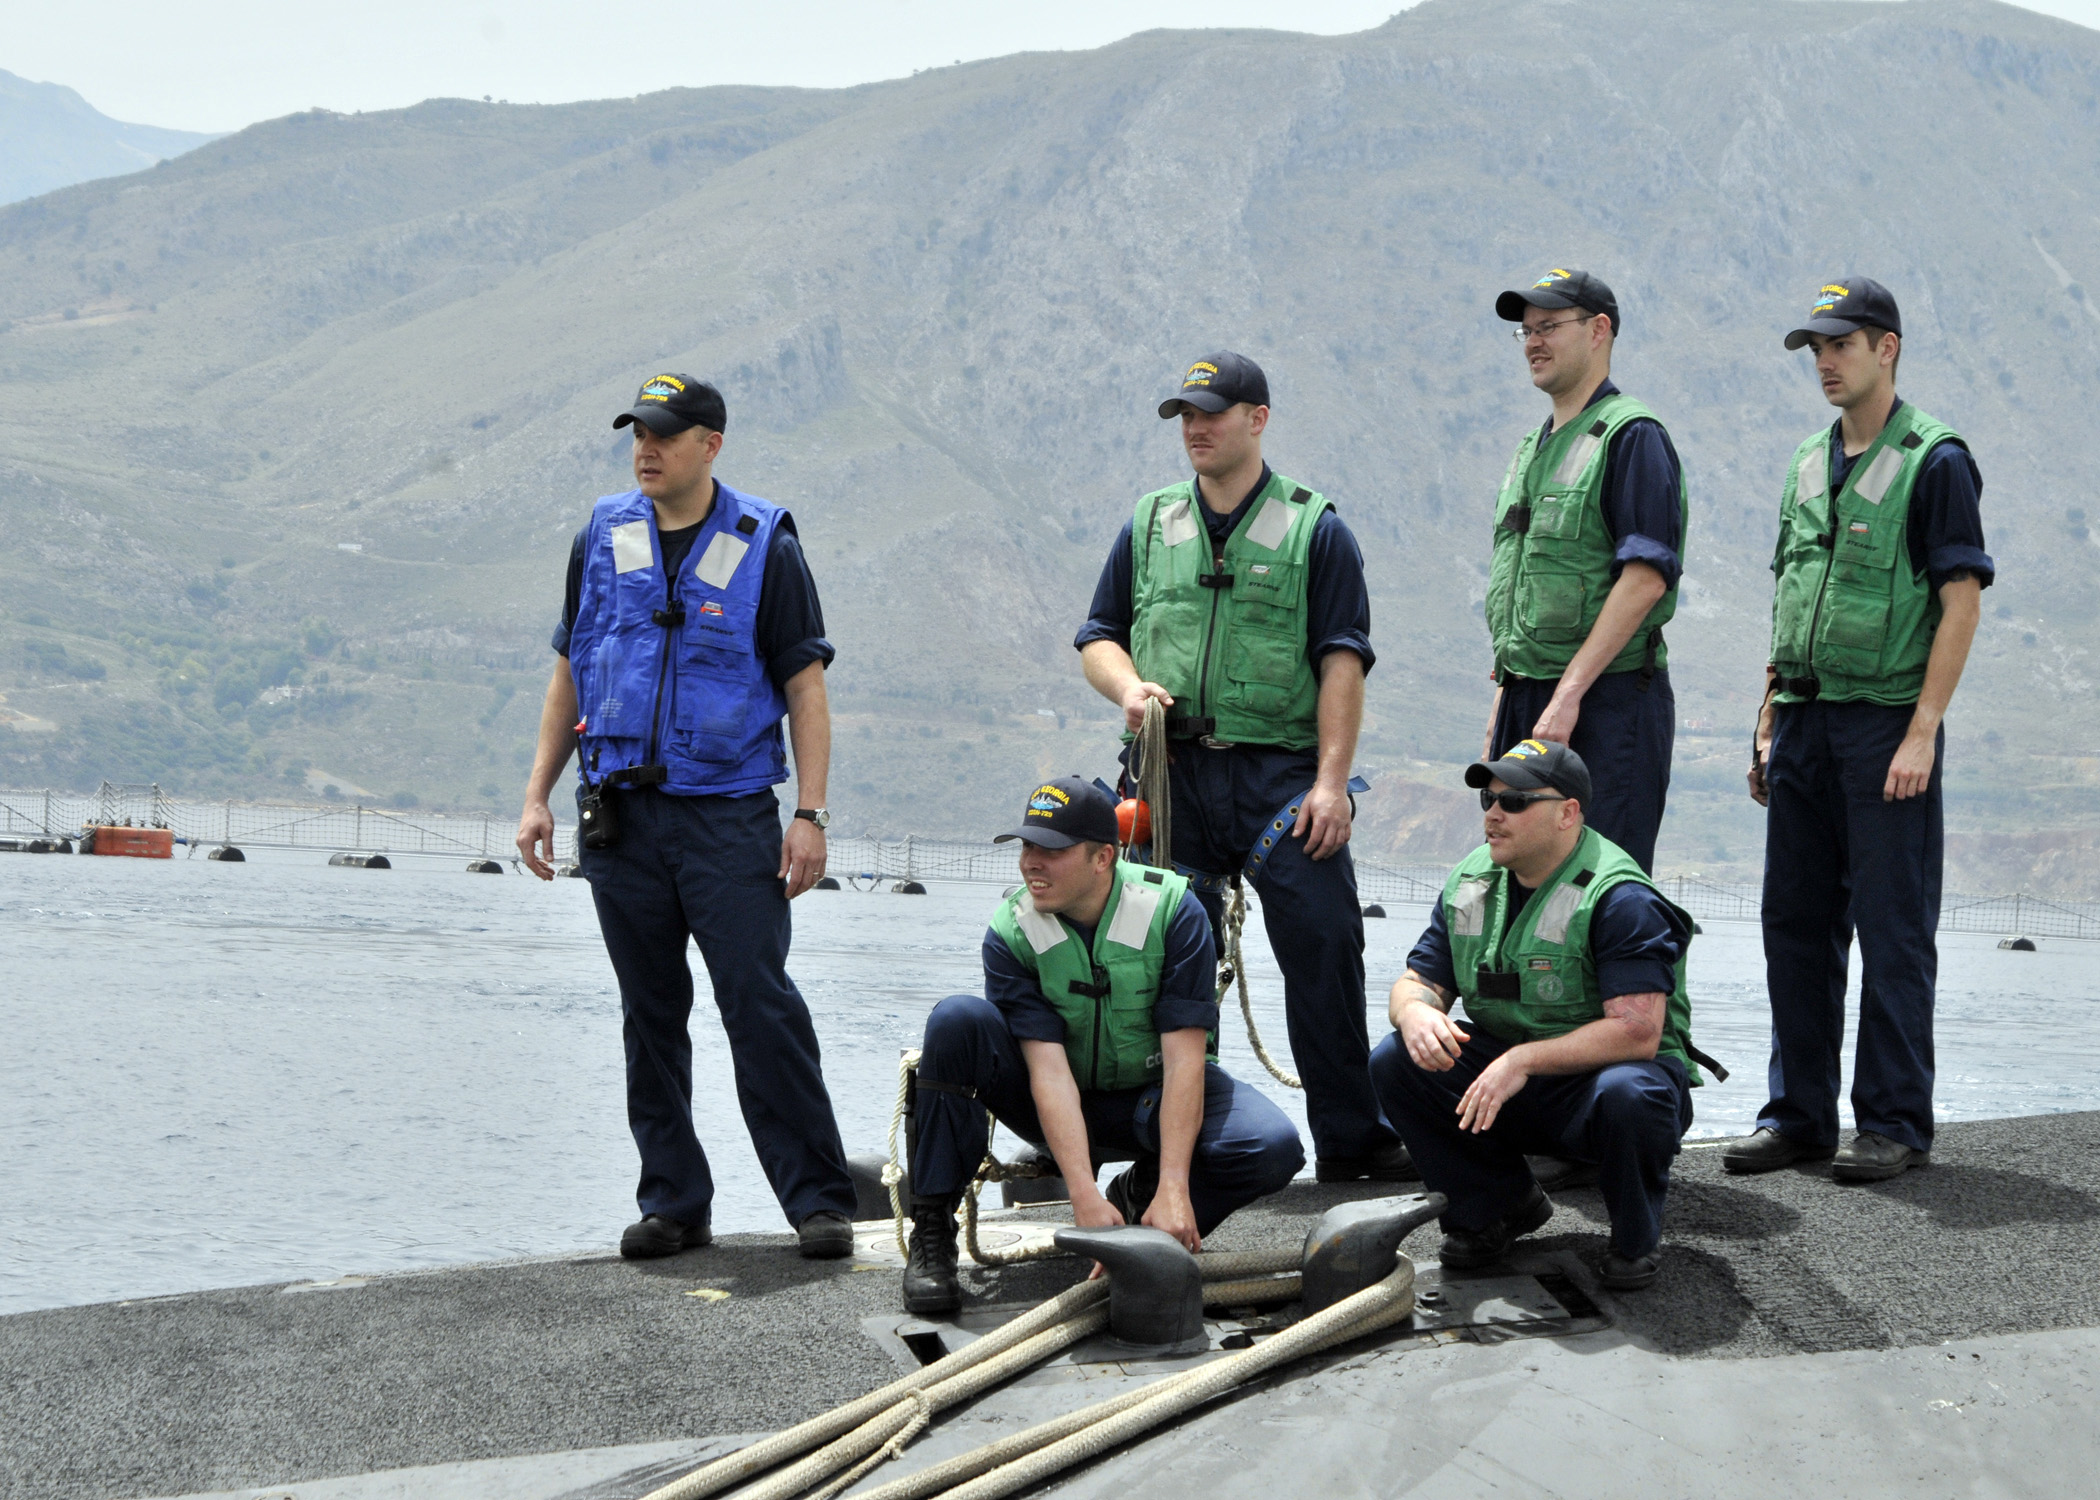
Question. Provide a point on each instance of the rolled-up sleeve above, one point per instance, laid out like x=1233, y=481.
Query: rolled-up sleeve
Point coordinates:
x=1188, y=994
x=790, y=628
x=1946, y=519
x=1337, y=600
x=1108, y=617
x=1643, y=486
x=1636, y=938
x=1015, y=989
x=571, y=596
x=1431, y=955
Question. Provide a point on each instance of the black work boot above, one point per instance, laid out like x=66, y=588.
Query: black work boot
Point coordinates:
x=1392, y=1164
x=1766, y=1150
x=1131, y=1190
x=930, y=1283
x=1466, y=1249
x=656, y=1236
x=1559, y=1174
x=1871, y=1157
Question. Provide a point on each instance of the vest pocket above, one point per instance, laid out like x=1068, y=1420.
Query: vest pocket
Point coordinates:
x=617, y=704
x=1554, y=605
x=1856, y=603
x=714, y=696
x=1262, y=671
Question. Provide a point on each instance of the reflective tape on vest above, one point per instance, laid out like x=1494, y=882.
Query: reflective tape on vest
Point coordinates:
x=1554, y=916
x=1134, y=912
x=718, y=563
x=1469, y=917
x=1576, y=460
x=1043, y=931
x=1177, y=525
x=1813, y=477
x=632, y=550
x=1880, y=475
x=1272, y=525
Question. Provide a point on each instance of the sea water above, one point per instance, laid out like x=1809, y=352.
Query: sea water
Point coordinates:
x=216, y=1074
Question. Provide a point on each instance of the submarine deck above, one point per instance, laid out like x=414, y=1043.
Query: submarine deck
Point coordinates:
x=1941, y=1330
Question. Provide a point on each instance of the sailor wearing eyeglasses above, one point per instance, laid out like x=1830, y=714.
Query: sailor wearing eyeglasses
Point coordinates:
x=1576, y=1038
x=1589, y=538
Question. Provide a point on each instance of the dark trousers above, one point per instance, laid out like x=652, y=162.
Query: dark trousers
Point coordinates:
x=706, y=868
x=1839, y=859
x=1624, y=734
x=1626, y=1119
x=1223, y=802
x=1247, y=1148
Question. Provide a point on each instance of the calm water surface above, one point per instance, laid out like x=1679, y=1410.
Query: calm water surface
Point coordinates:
x=214, y=1074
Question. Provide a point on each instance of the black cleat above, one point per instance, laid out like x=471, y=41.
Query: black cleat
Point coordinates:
x=1131, y=1190
x=825, y=1235
x=1392, y=1164
x=930, y=1282
x=1766, y=1150
x=1624, y=1275
x=1468, y=1249
x=656, y=1236
x=1869, y=1157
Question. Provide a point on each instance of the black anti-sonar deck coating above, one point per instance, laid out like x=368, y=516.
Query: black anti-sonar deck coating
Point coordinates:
x=256, y=1386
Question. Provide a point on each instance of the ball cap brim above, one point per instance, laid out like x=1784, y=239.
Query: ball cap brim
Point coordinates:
x=1070, y=810
x=1209, y=401
x=659, y=421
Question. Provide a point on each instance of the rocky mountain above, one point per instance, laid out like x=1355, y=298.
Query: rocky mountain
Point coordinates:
x=295, y=429
x=50, y=138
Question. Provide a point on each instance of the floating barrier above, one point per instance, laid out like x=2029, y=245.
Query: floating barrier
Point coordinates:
x=828, y=883
x=36, y=846
x=227, y=854
x=483, y=867
x=2017, y=944
x=133, y=843
x=909, y=888
x=362, y=861
x=1374, y=910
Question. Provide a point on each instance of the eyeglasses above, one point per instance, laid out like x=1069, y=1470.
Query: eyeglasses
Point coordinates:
x=1514, y=802
x=1540, y=330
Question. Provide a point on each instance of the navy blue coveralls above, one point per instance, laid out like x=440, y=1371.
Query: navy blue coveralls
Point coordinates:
x=707, y=868
x=1626, y=1119
x=1245, y=1149
x=1223, y=799
x=1627, y=725
x=1838, y=858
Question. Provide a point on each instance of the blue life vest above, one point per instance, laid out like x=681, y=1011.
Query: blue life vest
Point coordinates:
x=711, y=714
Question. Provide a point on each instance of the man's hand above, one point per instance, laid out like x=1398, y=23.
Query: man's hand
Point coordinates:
x=1911, y=771
x=801, y=856
x=1558, y=721
x=535, y=832
x=1760, y=793
x=1172, y=1211
x=1497, y=1084
x=1323, y=821
x=1761, y=744
x=1431, y=1038
x=1092, y=1211
x=1136, y=696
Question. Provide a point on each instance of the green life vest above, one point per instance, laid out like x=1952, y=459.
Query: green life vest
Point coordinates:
x=1227, y=637
x=1104, y=995
x=1552, y=565
x=1539, y=979
x=1848, y=609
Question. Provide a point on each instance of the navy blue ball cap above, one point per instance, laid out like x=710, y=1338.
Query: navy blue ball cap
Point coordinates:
x=1535, y=765
x=1560, y=288
x=668, y=404
x=1217, y=381
x=1847, y=305
x=1064, y=812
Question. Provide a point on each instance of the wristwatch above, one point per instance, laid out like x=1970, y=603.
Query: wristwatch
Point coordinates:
x=821, y=816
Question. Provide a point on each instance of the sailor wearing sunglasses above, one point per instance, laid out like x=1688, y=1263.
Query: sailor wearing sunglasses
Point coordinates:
x=1576, y=1036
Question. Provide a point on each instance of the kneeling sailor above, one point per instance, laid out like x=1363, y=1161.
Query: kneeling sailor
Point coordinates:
x=1093, y=1039
x=1571, y=966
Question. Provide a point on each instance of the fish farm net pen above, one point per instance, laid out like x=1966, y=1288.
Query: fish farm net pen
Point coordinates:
x=358, y=826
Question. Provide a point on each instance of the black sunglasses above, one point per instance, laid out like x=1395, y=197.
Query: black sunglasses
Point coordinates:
x=1515, y=802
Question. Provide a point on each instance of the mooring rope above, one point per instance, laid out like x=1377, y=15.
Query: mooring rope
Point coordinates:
x=1236, y=972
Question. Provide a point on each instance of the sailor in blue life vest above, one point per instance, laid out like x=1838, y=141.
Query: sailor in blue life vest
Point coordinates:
x=691, y=627
x=1237, y=600
x=1880, y=570
x=1576, y=1041
x=1588, y=547
x=1094, y=1038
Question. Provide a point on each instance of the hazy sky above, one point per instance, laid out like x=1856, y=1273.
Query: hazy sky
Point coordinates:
x=222, y=64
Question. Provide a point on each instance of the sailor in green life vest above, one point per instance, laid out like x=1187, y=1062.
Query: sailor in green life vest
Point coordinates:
x=1588, y=545
x=1881, y=568
x=1237, y=600
x=1576, y=1041
x=1092, y=1039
